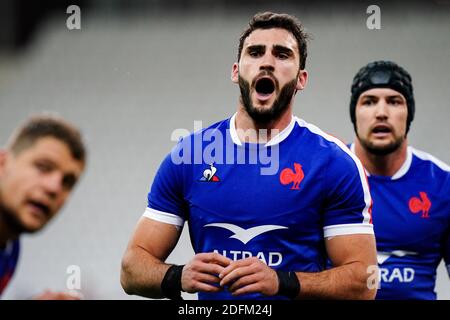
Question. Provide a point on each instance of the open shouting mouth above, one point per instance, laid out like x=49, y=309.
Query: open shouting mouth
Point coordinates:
x=39, y=208
x=381, y=130
x=265, y=87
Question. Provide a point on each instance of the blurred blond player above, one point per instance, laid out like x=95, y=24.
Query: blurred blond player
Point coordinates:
x=38, y=170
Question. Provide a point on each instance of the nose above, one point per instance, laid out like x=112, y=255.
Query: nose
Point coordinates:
x=381, y=111
x=268, y=62
x=53, y=184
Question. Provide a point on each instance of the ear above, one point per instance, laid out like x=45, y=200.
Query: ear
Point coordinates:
x=235, y=73
x=302, y=80
x=3, y=157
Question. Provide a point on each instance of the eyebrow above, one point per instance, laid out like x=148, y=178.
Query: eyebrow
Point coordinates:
x=277, y=48
x=396, y=96
x=45, y=160
x=370, y=96
x=67, y=175
x=283, y=49
x=257, y=47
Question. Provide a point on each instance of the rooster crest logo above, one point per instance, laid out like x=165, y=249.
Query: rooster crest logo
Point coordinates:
x=209, y=175
x=420, y=204
x=287, y=176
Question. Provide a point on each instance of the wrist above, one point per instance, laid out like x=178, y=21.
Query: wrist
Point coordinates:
x=288, y=284
x=171, y=283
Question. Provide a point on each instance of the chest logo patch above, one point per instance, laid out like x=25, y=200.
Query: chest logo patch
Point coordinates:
x=245, y=235
x=288, y=176
x=209, y=175
x=422, y=204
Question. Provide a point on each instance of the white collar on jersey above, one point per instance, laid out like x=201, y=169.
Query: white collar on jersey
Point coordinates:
x=403, y=169
x=275, y=140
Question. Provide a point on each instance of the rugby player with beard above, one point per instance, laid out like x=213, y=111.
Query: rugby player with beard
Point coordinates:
x=259, y=236
x=410, y=188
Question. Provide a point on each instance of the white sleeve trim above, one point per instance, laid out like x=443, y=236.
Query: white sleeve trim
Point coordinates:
x=344, y=229
x=428, y=157
x=162, y=216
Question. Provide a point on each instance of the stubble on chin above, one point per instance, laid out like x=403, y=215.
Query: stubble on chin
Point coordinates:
x=381, y=150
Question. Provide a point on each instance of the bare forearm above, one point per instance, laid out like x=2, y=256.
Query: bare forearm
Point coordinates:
x=345, y=282
x=142, y=274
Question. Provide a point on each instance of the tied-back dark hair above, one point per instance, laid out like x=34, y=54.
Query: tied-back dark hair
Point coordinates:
x=269, y=20
x=41, y=126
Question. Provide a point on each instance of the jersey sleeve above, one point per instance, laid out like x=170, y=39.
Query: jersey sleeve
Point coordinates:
x=348, y=204
x=166, y=197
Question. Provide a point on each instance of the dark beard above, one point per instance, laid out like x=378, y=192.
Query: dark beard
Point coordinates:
x=279, y=106
x=382, y=151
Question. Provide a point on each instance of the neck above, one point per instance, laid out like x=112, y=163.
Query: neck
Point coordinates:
x=382, y=165
x=263, y=132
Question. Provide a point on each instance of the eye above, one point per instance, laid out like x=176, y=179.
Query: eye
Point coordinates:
x=254, y=53
x=43, y=167
x=368, y=102
x=396, y=102
x=69, y=181
x=282, y=55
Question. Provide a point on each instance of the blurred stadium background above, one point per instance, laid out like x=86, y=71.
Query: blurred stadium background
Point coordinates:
x=137, y=70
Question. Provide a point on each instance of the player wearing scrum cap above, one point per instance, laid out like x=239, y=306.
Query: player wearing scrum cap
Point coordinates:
x=410, y=188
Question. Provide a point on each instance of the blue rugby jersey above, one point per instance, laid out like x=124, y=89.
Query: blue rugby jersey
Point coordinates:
x=317, y=188
x=411, y=218
x=8, y=262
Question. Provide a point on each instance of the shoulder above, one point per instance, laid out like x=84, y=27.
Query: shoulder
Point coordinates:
x=325, y=142
x=220, y=126
x=427, y=166
x=190, y=146
x=430, y=161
